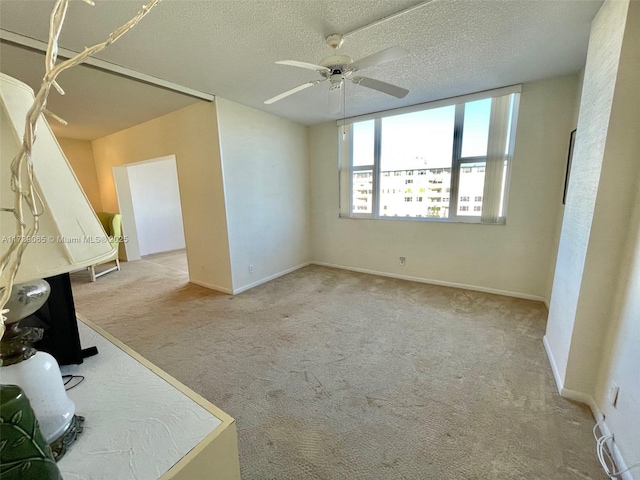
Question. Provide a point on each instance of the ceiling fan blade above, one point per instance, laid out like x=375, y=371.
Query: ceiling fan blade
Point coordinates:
x=289, y=92
x=381, y=86
x=310, y=66
x=335, y=97
x=383, y=56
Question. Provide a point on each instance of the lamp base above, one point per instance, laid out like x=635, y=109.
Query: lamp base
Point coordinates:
x=26, y=456
x=37, y=373
x=60, y=445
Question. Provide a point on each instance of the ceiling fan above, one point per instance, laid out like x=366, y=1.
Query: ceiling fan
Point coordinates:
x=337, y=68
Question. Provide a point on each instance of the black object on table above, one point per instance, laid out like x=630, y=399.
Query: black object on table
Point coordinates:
x=58, y=319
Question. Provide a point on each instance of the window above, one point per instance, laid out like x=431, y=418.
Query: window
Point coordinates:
x=442, y=147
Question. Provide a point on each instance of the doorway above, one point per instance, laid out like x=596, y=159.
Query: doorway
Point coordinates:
x=149, y=201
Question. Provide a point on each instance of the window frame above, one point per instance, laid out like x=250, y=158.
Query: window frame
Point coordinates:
x=457, y=162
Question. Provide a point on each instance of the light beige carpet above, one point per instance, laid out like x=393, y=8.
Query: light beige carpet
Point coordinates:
x=339, y=375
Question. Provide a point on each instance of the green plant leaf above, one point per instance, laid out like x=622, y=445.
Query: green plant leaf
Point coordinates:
x=26, y=466
x=19, y=442
x=3, y=444
x=16, y=417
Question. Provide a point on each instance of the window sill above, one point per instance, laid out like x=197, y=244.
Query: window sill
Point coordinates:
x=475, y=221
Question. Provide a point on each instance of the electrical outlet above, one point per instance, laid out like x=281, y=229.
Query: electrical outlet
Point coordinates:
x=250, y=268
x=612, y=396
x=403, y=261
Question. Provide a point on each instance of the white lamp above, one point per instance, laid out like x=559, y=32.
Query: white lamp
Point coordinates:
x=42, y=207
x=69, y=238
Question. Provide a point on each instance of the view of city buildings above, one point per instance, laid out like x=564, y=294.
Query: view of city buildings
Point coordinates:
x=421, y=192
x=415, y=155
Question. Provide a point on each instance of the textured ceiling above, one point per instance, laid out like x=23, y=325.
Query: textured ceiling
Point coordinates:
x=228, y=48
x=96, y=103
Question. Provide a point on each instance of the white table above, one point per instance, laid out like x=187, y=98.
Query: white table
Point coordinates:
x=141, y=423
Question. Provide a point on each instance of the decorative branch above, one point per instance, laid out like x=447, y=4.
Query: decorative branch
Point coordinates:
x=28, y=205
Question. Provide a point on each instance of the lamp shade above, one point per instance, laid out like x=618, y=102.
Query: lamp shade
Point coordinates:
x=70, y=236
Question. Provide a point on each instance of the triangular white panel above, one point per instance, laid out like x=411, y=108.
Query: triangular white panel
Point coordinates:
x=70, y=236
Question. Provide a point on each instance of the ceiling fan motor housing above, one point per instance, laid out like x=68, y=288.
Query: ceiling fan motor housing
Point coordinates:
x=334, y=62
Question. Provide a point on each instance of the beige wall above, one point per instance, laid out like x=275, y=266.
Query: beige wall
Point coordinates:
x=595, y=106
x=191, y=134
x=266, y=184
x=558, y=226
x=621, y=353
x=593, y=333
x=80, y=156
x=514, y=258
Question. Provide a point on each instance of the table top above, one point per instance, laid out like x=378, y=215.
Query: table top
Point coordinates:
x=138, y=425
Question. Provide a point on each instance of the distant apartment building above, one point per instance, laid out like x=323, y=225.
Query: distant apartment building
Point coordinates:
x=420, y=192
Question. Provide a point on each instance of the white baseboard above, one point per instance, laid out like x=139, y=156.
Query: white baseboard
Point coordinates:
x=507, y=293
x=269, y=278
x=584, y=398
x=552, y=362
x=588, y=400
x=212, y=287
x=146, y=256
x=476, y=288
x=567, y=393
x=621, y=465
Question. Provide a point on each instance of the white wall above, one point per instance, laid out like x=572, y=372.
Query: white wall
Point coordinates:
x=593, y=332
x=155, y=197
x=266, y=184
x=514, y=258
x=621, y=358
x=125, y=206
x=595, y=106
x=621, y=353
x=558, y=226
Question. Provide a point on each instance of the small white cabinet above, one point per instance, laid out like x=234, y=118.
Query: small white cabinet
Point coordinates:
x=141, y=423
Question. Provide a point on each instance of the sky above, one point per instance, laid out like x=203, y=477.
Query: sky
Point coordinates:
x=423, y=139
